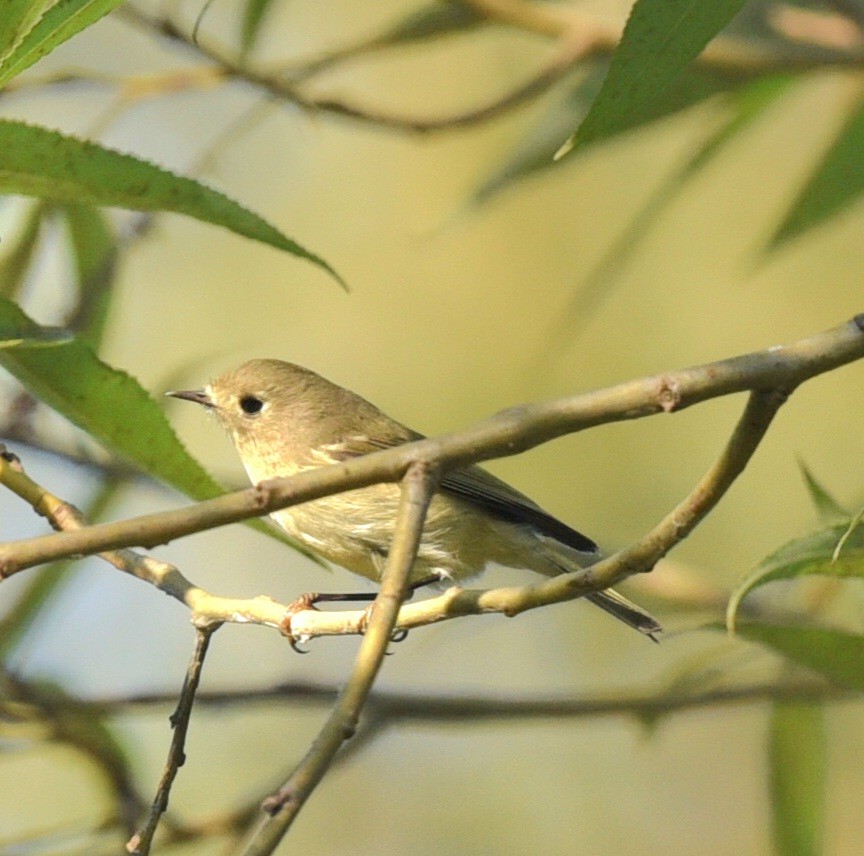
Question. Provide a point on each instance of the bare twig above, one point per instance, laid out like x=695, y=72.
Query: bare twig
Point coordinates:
x=417, y=489
x=578, y=38
x=507, y=433
x=141, y=842
x=771, y=375
x=395, y=707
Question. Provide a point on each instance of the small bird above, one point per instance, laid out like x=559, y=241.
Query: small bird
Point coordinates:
x=284, y=419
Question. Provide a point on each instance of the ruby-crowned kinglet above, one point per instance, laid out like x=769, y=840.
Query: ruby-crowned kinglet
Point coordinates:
x=284, y=419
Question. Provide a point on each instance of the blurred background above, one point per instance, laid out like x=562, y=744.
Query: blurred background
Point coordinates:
x=475, y=283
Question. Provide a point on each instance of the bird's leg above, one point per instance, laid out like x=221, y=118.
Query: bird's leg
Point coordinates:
x=398, y=635
x=309, y=599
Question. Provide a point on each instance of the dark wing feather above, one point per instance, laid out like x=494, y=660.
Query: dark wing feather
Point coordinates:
x=475, y=485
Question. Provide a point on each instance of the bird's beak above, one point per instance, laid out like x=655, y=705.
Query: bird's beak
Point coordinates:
x=199, y=396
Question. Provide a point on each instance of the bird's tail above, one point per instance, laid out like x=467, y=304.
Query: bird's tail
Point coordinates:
x=563, y=559
x=626, y=611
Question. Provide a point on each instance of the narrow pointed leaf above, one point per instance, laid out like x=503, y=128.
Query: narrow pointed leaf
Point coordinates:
x=253, y=17
x=37, y=162
x=94, y=250
x=798, y=767
x=432, y=21
x=107, y=403
x=746, y=100
x=813, y=554
x=745, y=106
x=437, y=19
x=826, y=504
x=835, y=184
x=661, y=38
x=111, y=406
x=17, y=18
x=19, y=253
x=835, y=654
x=59, y=23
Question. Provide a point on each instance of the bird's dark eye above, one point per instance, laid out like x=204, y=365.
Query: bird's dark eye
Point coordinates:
x=251, y=405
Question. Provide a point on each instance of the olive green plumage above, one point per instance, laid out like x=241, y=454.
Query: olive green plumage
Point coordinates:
x=284, y=419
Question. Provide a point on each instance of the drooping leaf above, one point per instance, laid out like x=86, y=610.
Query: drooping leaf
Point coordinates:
x=745, y=106
x=835, y=654
x=534, y=152
x=107, y=403
x=661, y=38
x=437, y=19
x=59, y=23
x=18, y=254
x=254, y=13
x=745, y=97
x=835, y=184
x=110, y=405
x=37, y=162
x=94, y=249
x=798, y=767
x=813, y=554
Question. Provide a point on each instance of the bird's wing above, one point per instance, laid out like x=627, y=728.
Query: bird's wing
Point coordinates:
x=473, y=484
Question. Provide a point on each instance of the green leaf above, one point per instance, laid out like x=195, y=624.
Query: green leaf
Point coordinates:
x=798, y=765
x=59, y=23
x=433, y=21
x=745, y=97
x=253, y=17
x=111, y=406
x=661, y=38
x=17, y=18
x=835, y=184
x=854, y=524
x=813, y=554
x=744, y=106
x=107, y=403
x=94, y=249
x=437, y=19
x=37, y=162
x=826, y=504
x=535, y=151
x=18, y=255
x=835, y=654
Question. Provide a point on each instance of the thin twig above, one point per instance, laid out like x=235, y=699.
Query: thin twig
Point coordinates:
x=141, y=842
x=638, y=558
x=417, y=489
x=507, y=433
x=438, y=707
x=579, y=38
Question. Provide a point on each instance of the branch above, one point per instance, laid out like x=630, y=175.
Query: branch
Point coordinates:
x=395, y=707
x=578, y=38
x=782, y=367
x=417, y=489
x=639, y=558
x=142, y=841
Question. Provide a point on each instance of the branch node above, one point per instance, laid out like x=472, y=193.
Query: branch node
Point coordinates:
x=261, y=495
x=668, y=393
x=11, y=458
x=279, y=801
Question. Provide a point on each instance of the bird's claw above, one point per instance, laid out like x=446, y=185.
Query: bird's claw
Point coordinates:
x=301, y=604
x=398, y=635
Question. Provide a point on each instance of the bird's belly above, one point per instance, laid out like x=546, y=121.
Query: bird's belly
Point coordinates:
x=355, y=530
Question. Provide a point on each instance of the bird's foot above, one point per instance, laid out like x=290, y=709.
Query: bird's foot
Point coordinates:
x=305, y=601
